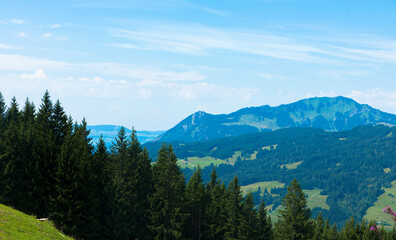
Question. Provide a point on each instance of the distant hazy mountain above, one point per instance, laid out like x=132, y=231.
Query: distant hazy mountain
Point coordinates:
x=330, y=114
x=109, y=132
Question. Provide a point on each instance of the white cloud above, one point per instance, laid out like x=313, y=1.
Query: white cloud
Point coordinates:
x=5, y=46
x=47, y=35
x=55, y=26
x=199, y=40
x=23, y=34
x=384, y=100
x=38, y=74
x=17, y=21
x=274, y=76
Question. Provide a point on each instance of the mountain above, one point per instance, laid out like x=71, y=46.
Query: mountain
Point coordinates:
x=109, y=132
x=330, y=114
x=348, y=173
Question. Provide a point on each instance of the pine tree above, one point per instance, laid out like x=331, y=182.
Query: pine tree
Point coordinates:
x=141, y=178
x=265, y=225
x=294, y=220
x=249, y=223
x=11, y=177
x=318, y=232
x=3, y=110
x=99, y=162
x=215, y=217
x=122, y=191
x=234, y=212
x=47, y=155
x=167, y=201
x=349, y=230
x=196, y=202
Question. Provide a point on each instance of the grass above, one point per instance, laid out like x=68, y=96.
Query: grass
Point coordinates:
x=291, y=165
x=387, y=170
x=271, y=147
x=202, y=162
x=254, y=187
x=388, y=198
x=315, y=199
x=17, y=225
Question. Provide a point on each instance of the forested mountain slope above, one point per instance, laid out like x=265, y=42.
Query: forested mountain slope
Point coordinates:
x=350, y=167
x=332, y=114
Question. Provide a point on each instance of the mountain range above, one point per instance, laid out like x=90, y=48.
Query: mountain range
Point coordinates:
x=329, y=114
x=109, y=132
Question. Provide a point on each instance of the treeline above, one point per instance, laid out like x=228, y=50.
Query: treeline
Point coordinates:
x=49, y=168
x=348, y=166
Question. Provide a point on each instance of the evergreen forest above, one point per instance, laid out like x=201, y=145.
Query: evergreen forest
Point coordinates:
x=49, y=168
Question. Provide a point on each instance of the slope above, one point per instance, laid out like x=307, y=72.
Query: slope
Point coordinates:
x=330, y=114
x=17, y=225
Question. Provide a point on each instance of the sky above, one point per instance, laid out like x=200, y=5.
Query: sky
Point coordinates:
x=149, y=64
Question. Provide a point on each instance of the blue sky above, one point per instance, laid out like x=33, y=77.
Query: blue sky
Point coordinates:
x=149, y=64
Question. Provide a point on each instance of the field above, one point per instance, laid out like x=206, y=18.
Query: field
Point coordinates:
x=291, y=165
x=193, y=162
x=315, y=199
x=17, y=225
x=388, y=198
x=254, y=187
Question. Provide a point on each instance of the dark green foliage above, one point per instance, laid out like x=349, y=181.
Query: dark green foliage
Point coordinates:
x=234, y=210
x=215, y=212
x=196, y=200
x=265, y=231
x=294, y=220
x=347, y=166
x=249, y=223
x=167, y=201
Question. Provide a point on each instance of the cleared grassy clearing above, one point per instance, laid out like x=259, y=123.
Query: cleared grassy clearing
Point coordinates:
x=202, y=162
x=315, y=199
x=17, y=225
x=388, y=198
x=254, y=187
x=291, y=165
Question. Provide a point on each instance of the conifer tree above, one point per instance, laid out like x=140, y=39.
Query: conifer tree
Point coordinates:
x=3, y=110
x=196, y=202
x=141, y=179
x=234, y=212
x=215, y=217
x=167, y=201
x=318, y=233
x=294, y=220
x=12, y=170
x=47, y=155
x=99, y=162
x=249, y=223
x=265, y=225
x=122, y=190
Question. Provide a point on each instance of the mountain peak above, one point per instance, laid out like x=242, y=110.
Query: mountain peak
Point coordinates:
x=329, y=113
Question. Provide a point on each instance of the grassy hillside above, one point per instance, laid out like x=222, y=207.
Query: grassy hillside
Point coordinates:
x=17, y=225
x=387, y=198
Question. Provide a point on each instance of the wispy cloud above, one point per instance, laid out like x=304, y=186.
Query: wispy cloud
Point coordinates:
x=55, y=26
x=47, y=35
x=38, y=74
x=17, y=21
x=200, y=40
x=377, y=97
x=23, y=34
x=5, y=46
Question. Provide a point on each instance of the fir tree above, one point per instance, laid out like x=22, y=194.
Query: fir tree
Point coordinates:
x=234, y=212
x=215, y=217
x=3, y=110
x=196, y=202
x=167, y=201
x=294, y=220
x=249, y=224
x=265, y=225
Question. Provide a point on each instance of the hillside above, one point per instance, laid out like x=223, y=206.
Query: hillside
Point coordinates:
x=330, y=114
x=109, y=132
x=351, y=168
x=17, y=225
